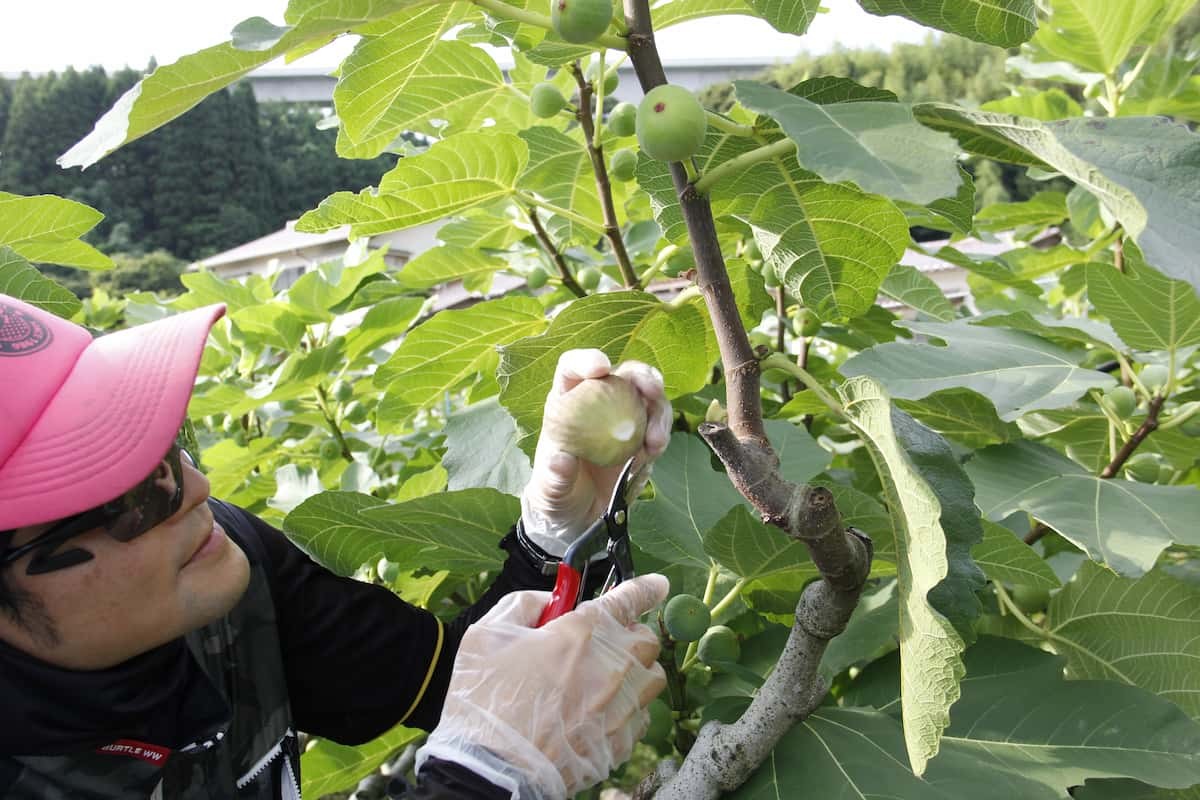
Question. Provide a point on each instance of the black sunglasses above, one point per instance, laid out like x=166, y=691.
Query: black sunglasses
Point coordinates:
x=152, y=501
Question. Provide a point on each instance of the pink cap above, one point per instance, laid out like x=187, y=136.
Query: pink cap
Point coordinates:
x=82, y=420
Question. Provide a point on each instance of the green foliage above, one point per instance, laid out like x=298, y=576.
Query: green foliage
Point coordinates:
x=387, y=423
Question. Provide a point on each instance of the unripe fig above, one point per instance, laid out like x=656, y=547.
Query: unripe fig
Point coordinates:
x=686, y=618
x=622, y=120
x=1191, y=426
x=1154, y=377
x=537, y=278
x=579, y=21
x=342, y=391
x=1144, y=467
x=330, y=450
x=623, y=164
x=805, y=324
x=1121, y=400
x=601, y=420
x=1029, y=599
x=1165, y=473
x=719, y=644
x=662, y=722
x=671, y=123
x=611, y=79
x=546, y=100
x=356, y=413
x=589, y=278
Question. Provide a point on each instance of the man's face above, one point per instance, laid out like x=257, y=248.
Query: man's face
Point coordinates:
x=132, y=596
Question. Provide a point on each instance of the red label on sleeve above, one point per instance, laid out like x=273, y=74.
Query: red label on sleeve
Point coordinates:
x=135, y=749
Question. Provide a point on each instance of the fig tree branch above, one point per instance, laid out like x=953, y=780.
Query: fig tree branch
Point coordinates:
x=564, y=274
x=596, y=153
x=726, y=755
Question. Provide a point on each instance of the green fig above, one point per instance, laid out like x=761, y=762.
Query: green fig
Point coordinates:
x=546, y=100
x=623, y=164
x=580, y=21
x=686, y=618
x=611, y=79
x=1154, y=377
x=589, y=278
x=622, y=120
x=1121, y=400
x=537, y=278
x=671, y=123
x=719, y=645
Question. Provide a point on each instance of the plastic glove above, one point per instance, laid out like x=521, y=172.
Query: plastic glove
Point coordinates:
x=565, y=494
x=547, y=712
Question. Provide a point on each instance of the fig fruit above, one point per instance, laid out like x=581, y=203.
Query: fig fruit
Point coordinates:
x=342, y=391
x=805, y=324
x=579, y=21
x=537, y=278
x=611, y=79
x=1154, y=377
x=1029, y=599
x=601, y=420
x=686, y=618
x=1144, y=467
x=671, y=123
x=1191, y=426
x=662, y=722
x=623, y=164
x=330, y=450
x=719, y=644
x=1121, y=400
x=356, y=413
x=545, y=100
x=589, y=278
x=622, y=120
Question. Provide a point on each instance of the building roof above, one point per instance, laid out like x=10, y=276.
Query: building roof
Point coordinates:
x=278, y=243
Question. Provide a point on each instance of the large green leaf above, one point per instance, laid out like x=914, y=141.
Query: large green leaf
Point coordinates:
x=438, y=265
x=173, y=89
x=857, y=753
x=1144, y=170
x=689, y=499
x=1124, y=524
x=1048, y=105
x=1016, y=371
x=560, y=170
x=482, y=451
x=962, y=415
x=625, y=325
x=19, y=279
x=1141, y=632
x=1149, y=311
x=453, y=175
x=383, y=68
x=929, y=644
x=831, y=244
x=327, y=767
x=456, y=531
x=908, y=285
x=1004, y=23
x=674, y=12
x=787, y=16
x=1033, y=722
x=1098, y=35
x=1044, y=208
x=46, y=229
x=1004, y=557
x=450, y=349
x=748, y=548
x=878, y=146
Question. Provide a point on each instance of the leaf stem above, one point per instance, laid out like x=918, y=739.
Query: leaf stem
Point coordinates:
x=730, y=597
x=726, y=125
x=780, y=361
x=498, y=8
x=534, y=200
x=742, y=162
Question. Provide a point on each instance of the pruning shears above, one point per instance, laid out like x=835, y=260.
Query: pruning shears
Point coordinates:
x=610, y=533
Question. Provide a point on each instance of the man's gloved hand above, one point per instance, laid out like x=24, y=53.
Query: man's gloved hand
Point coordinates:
x=565, y=494
x=547, y=712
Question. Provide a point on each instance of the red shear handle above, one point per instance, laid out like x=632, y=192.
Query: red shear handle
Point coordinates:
x=566, y=593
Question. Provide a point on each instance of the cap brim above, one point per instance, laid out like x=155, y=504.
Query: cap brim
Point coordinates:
x=110, y=422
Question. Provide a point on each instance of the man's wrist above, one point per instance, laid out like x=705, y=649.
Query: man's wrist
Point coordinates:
x=535, y=556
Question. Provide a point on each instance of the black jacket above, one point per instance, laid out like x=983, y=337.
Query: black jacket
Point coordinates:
x=214, y=714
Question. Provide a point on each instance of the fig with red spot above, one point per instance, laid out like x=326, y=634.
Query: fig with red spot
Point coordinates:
x=580, y=21
x=671, y=123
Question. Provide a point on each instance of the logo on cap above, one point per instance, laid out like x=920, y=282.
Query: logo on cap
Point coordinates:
x=20, y=332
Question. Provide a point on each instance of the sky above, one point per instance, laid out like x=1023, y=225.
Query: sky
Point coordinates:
x=48, y=35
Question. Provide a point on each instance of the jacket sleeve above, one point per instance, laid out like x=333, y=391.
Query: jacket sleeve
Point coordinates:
x=358, y=659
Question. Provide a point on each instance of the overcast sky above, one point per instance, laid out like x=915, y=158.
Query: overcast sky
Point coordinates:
x=42, y=35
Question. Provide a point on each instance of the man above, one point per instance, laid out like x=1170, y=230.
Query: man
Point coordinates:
x=156, y=642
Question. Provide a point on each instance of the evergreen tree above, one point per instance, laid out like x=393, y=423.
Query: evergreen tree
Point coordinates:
x=21, y=167
x=5, y=101
x=251, y=189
